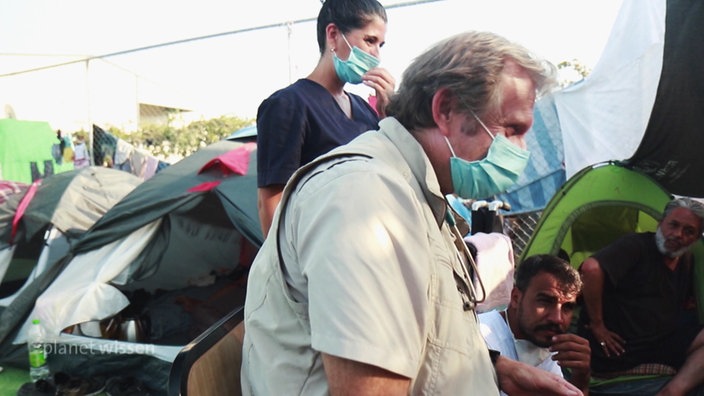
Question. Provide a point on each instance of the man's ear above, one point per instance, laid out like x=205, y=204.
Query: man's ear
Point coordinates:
x=515, y=297
x=442, y=104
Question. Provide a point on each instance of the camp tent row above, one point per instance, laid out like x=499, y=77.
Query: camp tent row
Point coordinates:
x=174, y=245
x=625, y=110
x=39, y=221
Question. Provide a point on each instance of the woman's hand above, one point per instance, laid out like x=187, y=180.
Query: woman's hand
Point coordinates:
x=384, y=84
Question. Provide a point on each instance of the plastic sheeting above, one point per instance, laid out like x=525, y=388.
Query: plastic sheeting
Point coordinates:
x=82, y=292
x=545, y=171
x=604, y=117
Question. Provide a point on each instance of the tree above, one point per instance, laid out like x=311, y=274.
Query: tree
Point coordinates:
x=165, y=140
x=571, y=71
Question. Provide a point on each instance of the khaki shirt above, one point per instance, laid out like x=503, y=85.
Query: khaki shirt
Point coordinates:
x=370, y=274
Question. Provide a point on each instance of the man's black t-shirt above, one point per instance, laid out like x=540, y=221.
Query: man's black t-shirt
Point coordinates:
x=643, y=301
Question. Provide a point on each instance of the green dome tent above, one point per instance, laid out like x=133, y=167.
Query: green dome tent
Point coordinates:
x=595, y=207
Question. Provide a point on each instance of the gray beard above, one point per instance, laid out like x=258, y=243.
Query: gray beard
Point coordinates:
x=660, y=242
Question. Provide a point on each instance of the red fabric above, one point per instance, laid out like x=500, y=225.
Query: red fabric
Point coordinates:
x=205, y=186
x=8, y=188
x=232, y=162
x=31, y=191
x=372, y=102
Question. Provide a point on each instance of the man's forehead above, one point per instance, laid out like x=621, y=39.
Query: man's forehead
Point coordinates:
x=685, y=216
x=560, y=295
x=547, y=285
x=518, y=95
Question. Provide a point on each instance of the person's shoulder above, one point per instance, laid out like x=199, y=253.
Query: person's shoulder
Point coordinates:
x=298, y=94
x=641, y=238
x=281, y=94
x=495, y=332
x=300, y=88
x=633, y=242
x=352, y=178
x=352, y=165
x=635, y=237
x=490, y=321
x=340, y=165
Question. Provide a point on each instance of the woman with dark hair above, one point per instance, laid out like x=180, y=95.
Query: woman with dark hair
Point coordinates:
x=315, y=114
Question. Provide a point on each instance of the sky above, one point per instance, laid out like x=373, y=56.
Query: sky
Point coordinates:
x=231, y=73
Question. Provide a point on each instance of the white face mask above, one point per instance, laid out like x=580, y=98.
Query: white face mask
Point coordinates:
x=530, y=353
x=526, y=351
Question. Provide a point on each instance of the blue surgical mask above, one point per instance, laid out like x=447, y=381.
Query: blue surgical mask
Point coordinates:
x=358, y=63
x=492, y=175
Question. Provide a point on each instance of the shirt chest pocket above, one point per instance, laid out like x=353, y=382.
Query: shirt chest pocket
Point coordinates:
x=454, y=345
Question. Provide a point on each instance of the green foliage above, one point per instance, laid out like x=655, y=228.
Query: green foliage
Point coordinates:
x=576, y=66
x=166, y=140
x=571, y=71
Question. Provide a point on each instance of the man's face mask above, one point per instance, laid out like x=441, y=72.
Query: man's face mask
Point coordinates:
x=530, y=353
x=492, y=175
x=358, y=63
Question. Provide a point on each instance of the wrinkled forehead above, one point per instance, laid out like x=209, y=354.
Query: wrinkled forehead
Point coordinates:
x=545, y=285
x=685, y=217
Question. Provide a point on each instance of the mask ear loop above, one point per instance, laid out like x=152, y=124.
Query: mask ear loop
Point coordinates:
x=482, y=124
x=449, y=146
x=346, y=42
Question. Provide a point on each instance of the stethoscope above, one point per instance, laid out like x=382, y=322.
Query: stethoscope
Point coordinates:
x=473, y=301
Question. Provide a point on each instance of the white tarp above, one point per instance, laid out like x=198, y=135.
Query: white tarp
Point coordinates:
x=604, y=117
x=5, y=259
x=82, y=291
